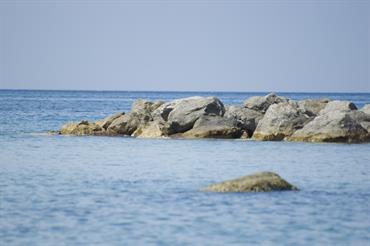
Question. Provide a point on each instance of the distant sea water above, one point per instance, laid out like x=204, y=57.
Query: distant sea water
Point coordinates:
x=59, y=190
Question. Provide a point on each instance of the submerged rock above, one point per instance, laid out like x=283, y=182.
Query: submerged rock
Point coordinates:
x=259, y=182
x=214, y=127
x=262, y=103
x=334, y=126
x=281, y=120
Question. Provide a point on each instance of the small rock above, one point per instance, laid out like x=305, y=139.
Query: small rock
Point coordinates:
x=259, y=182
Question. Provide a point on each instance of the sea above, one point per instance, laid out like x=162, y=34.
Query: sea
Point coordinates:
x=68, y=190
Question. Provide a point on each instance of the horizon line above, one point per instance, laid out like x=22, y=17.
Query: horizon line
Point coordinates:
x=186, y=91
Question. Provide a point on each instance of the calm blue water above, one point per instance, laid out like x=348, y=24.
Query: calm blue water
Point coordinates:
x=58, y=190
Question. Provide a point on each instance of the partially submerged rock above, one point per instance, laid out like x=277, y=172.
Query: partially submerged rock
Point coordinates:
x=262, y=103
x=259, y=182
x=280, y=121
x=82, y=128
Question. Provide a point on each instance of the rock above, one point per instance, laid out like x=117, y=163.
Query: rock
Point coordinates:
x=312, y=107
x=153, y=129
x=181, y=114
x=259, y=182
x=104, y=123
x=82, y=128
x=125, y=124
x=214, y=127
x=366, y=109
x=338, y=105
x=262, y=103
x=362, y=118
x=140, y=115
x=145, y=107
x=247, y=119
x=280, y=120
x=333, y=126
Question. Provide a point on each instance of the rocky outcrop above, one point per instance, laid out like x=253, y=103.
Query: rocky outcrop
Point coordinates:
x=334, y=126
x=259, y=182
x=281, y=120
x=214, y=127
x=262, y=103
x=268, y=117
x=247, y=119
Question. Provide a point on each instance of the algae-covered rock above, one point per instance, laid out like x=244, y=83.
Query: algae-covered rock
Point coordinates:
x=259, y=182
x=82, y=128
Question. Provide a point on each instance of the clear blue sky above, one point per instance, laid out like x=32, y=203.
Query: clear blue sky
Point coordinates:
x=236, y=45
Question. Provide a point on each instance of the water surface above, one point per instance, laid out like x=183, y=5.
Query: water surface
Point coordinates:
x=58, y=190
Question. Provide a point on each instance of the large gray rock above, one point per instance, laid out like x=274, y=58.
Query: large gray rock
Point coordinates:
x=338, y=106
x=181, y=114
x=333, y=126
x=82, y=128
x=104, y=123
x=247, y=119
x=280, y=120
x=259, y=182
x=366, y=109
x=262, y=103
x=312, y=107
x=214, y=127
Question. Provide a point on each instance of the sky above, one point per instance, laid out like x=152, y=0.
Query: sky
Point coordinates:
x=235, y=45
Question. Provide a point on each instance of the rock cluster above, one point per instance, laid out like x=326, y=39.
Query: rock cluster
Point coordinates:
x=269, y=117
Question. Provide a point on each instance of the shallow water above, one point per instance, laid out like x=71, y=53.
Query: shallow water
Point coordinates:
x=58, y=190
